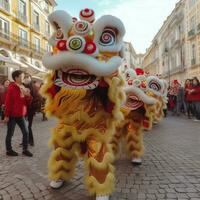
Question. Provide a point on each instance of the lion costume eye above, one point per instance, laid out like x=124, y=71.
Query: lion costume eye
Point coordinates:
x=59, y=34
x=108, y=37
x=154, y=85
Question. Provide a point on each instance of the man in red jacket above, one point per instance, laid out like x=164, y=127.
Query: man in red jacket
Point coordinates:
x=17, y=100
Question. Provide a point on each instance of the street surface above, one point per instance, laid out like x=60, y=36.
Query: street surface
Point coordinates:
x=170, y=170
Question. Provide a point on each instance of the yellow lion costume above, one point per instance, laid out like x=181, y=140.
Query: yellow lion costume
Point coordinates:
x=156, y=88
x=84, y=92
x=134, y=111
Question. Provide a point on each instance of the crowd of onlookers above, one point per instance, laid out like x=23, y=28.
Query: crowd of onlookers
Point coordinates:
x=20, y=100
x=185, y=99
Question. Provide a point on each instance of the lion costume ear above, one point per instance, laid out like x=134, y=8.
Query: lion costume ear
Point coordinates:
x=60, y=20
x=109, y=33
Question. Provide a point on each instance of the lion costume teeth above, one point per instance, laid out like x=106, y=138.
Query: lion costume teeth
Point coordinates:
x=84, y=92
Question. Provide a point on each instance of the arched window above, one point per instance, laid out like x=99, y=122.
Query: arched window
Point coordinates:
x=37, y=64
x=23, y=59
x=4, y=53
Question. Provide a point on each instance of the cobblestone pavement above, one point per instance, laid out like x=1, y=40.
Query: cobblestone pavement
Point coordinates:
x=171, y=167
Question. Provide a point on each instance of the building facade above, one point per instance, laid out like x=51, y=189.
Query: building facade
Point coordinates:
x=24, y=33
x=175, y=50
x=167, y=53
x=131, y=58
x=193, y=38
x=151, y=59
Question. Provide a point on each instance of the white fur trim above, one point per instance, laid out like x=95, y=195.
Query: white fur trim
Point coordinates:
x=63, y=19
x=102, y=198
x=113, y=22
x=142, y=96
x=82, y=61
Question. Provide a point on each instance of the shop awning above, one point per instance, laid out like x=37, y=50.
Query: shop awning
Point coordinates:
x=9, y=62
x=35, y=68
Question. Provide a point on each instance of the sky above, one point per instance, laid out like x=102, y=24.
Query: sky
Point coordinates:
x=142, y=18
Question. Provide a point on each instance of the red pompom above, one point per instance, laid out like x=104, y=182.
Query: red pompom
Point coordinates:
x=90, y=48
x=62, y=45
x=139, y=71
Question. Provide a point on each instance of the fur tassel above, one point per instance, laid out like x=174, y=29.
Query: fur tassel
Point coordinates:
x=98, y=189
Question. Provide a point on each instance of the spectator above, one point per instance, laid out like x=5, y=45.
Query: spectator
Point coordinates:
x=44, y=118
x=17, y=100
x=181, y=105
x=34, y=106
x=173, y=93
x=2, y=97
x=188, y=97
x=195, y=95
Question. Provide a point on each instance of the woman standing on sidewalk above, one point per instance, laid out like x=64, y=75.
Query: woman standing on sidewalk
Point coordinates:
x=188, y=98
x=195, y=95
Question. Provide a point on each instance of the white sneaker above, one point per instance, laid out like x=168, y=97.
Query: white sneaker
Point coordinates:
x=196, y=120
x=136, y=161
x=57, y=184
x=102, y=198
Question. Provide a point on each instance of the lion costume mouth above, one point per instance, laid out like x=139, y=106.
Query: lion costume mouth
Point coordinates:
x=76, y=79
x=133, y=102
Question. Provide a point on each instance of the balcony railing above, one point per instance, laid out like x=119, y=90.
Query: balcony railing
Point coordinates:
x=22, y=17
x=36, y=26
x=191, y=33
x=23, y=42
x=5, y=5
x=17, y=40
x=193, y=61
x=5, y=34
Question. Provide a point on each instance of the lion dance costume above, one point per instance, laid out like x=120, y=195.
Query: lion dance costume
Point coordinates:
x=84, y=92
x=134, y=111
x=156, y=88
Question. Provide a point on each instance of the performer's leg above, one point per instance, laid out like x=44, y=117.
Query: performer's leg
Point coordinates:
x=63, y=159
x=134, y=140
x=115, y=141
x=100, y=177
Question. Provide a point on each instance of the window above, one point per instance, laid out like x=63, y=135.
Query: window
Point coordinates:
x=37, y=64
x=178, y=61
x=192, y=23
x=193, y=54
x=23, y=37
x=178, y=32
x=22, y=7
x=191, y=3
x=37, y=44
x=193, y=51
x=4, y=28
x=46, y=6
x=47, y=27
x=36, y=18
x=48, y=47
x=5, y=4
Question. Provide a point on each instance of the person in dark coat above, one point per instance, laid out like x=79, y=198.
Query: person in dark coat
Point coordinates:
x=34, y=106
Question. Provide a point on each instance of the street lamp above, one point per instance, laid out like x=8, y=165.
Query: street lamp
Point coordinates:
x=167, y=53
